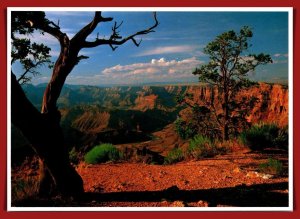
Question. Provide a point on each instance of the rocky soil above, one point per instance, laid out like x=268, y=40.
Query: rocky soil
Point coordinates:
x=227, y=180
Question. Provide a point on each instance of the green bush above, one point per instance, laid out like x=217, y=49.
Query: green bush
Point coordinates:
x=174, y=156
x=273, y=166
x=259, y=137
x=200, y=147
x=102, y=153
x=184, y=129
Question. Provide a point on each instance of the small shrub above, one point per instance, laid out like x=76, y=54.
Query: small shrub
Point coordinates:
x=282, y=139
x=184, y=129
x=201, y=146
x=273, y=166
x=224, y=147
x=102, y=153
x=259, y=137
x=174, y=156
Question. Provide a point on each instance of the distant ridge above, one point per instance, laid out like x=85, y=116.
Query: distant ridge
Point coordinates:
x=42, y=85
x=281, y=81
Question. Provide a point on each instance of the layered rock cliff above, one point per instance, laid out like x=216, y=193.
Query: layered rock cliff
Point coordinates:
x=271, y=107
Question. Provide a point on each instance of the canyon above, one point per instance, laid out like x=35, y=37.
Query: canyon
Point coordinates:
x=143, y=116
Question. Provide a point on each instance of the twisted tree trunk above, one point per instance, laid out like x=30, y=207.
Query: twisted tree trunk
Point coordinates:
x=45, y=135
x=63, y=66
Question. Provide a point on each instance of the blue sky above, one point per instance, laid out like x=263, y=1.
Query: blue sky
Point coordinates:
x=173, y=51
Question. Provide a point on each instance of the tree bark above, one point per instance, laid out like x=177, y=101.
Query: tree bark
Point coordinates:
x=63, y=66
x=46, y=137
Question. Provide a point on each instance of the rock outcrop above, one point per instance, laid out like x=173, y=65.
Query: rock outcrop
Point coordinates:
x=271, y=107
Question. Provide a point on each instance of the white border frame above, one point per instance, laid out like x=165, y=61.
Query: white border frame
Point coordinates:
x=289, y=10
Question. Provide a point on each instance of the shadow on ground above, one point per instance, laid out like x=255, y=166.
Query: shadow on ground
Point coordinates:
x=260, y=195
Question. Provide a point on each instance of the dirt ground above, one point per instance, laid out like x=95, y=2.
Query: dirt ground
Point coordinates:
x=226, y=180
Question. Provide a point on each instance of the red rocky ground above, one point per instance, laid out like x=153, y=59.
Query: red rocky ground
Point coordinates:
x=225, y=180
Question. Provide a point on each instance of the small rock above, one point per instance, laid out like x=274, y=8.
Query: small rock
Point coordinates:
x=178, y=204
x=236, y=170
x=266, y=176
x=202, y=203
x=252, y=174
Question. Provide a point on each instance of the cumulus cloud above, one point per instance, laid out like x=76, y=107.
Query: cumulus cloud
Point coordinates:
x=154, y=70
x=280, y=58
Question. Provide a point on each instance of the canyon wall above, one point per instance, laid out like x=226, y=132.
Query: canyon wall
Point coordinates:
x=271, y=107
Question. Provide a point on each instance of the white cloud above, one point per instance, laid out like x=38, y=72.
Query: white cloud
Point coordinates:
x=277, y=55
x=168, y=50
x=280, y=58
x=154, y=70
